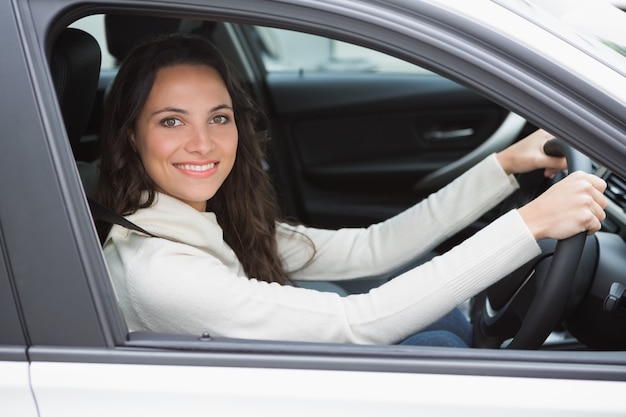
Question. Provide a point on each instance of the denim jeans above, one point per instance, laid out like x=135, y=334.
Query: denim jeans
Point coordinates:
x=452, y=330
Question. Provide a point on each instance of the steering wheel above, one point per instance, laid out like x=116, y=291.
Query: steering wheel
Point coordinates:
x=551, y=298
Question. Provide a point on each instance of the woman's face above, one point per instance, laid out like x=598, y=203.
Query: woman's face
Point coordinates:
x=186, y=134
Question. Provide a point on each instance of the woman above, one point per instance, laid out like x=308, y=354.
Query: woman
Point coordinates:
x=182, y=160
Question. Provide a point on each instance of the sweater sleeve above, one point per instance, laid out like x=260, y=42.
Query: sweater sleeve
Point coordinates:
x=384, y=247
x=171, y=287
x=167, y=286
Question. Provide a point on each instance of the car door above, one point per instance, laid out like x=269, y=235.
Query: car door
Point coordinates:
x=83, y=362
x=16, y=397
x=357, y=135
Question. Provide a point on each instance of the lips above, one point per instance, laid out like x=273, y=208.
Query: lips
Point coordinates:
x=196, y=167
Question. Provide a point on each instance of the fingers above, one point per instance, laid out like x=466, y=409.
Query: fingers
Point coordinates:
x=535, y=149
x=574, y=205
x=593, y=222
x=593, y=201
x=596, y=203
x=553, y=164
x=590, y=184
x=551, y=172
x=599, y=184
x=528, y=155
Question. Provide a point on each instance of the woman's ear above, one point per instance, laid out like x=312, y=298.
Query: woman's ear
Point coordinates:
x=131, y=137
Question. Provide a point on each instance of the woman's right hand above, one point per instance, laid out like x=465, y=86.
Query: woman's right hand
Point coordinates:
x=573, y=205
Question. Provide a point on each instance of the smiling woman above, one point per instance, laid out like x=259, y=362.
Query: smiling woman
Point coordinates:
x=186, y=134
x=214, y=128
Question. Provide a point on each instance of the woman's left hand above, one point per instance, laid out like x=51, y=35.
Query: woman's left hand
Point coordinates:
x=528, y=155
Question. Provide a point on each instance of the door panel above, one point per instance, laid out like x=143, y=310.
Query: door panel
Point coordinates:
x=354, y=149
x=196, y=389
x=16, y=398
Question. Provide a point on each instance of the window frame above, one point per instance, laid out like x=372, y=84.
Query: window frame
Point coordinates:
x=103, y=340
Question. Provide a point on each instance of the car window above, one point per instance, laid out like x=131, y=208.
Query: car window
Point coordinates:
x=289, y=51
x=285, y=50
x=95, y=26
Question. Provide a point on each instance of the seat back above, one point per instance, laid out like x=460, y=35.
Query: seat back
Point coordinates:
x=75, y=67
x=123, y=32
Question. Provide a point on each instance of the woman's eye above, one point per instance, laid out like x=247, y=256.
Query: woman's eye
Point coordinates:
x=171, y=122
x=219, y=119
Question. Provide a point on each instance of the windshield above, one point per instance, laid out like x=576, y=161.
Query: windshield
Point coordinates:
x=595, y=26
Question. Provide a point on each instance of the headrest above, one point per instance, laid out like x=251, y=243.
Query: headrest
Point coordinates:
x=75, y=68
x=123, y=31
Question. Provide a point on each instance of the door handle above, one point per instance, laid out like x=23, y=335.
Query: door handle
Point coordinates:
x=448, y=134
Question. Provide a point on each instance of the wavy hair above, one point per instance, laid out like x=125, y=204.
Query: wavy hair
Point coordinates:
x=249, y=223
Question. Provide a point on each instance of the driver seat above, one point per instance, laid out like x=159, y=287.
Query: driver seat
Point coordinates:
x=75, y=67
x=75, y=61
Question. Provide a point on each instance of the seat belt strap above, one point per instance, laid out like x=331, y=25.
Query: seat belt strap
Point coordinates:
x=102, y=213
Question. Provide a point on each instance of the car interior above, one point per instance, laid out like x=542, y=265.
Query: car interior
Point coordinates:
x=346, y=188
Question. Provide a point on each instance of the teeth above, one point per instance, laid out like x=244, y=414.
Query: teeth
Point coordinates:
x=198, y=168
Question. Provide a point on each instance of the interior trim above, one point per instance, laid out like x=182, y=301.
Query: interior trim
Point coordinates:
x=506, y=134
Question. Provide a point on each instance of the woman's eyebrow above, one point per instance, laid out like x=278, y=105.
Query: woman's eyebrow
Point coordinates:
x=183, y=111
x=222, y=106
x=169, y=110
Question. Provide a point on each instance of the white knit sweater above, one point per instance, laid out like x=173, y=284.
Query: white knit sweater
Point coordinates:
x=189, y=281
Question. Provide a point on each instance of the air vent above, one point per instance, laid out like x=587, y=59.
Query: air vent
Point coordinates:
x=616, y=190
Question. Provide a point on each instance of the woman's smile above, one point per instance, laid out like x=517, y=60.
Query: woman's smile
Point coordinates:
x=195, y=169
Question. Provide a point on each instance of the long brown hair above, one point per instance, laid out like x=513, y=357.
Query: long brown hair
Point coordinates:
x=245, y=205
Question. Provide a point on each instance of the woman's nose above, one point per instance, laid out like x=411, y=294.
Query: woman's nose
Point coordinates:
x=201, y=142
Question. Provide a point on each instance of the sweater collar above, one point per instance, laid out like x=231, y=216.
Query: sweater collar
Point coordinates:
x=175, y=220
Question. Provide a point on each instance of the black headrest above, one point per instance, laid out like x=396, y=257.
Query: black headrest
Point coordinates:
x=75, y=68
x=123, y=31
